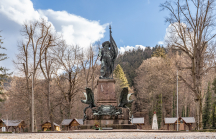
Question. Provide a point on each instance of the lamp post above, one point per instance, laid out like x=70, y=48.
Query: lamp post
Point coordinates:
x=177, y=99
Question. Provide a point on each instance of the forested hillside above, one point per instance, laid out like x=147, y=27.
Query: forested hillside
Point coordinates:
x=131, y=60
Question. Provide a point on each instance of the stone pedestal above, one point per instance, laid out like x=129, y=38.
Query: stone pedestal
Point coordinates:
x=106, y=94
x=107, y=113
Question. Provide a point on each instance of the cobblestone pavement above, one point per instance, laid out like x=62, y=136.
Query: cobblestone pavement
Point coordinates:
x=112, y=135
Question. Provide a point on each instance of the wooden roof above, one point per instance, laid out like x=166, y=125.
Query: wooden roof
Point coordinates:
x=174, y=120
x=139, y=120
x=13, y=122
x=50, y=123
x=66, y=121
x=80, y=121
x=69, y=121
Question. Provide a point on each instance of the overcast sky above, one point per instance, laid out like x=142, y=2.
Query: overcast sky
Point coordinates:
x=134, y=22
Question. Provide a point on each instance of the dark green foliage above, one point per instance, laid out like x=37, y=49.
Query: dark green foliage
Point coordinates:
x=159, y=110
x=3, y=74
x=214, y=105
x=207, y=109
x=183, y=111
x=174, y=105
x=213, y=115
x=150, y=114
x=214, y=85
x=188, y=111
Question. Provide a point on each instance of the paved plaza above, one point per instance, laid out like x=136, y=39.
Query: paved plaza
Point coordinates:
x=112, y=135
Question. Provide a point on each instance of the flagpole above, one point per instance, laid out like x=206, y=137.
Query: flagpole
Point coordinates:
x=110, y=46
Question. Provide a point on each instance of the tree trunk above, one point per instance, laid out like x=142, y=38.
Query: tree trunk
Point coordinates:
x=49, y=107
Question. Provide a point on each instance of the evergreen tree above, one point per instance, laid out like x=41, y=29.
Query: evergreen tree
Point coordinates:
x=213, y=115
x=119, y=73
x=173, y=108
x=150, y=114
x=188, y=111
x=183, y=111
x=207, y=109
x=131, y=60
x=214, y=105
x=159, y=110
x=3, y=74
x=160, y=52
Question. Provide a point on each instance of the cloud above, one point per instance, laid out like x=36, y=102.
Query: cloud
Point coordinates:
x=172, y=37
x=122, y=50
x=74, y=29
x=160, y=43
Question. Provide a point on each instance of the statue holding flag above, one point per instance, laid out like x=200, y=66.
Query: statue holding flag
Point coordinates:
x=108, y=55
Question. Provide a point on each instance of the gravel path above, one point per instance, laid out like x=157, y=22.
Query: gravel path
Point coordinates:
x=112, y=135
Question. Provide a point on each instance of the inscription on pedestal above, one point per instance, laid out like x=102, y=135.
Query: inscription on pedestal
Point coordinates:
x=106, y=94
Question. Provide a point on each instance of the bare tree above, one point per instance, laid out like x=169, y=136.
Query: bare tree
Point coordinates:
x=191, y=31
x=89, y=64
x=68, y=76
x=36, y=38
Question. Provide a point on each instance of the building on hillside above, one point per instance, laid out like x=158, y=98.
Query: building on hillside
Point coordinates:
x=71, y=124
x=12, y=125
x=184, y=123
x=139, y=121
x=47, y=126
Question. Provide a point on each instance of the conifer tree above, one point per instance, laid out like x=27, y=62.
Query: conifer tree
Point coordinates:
x=188, y=111
x=213, y=115
x=173, y=106
x=3, y=74
x=159, y=110
x=160, y=52
x=183, y=111
x=214, y=105
x=119, y=73
x=207, y=109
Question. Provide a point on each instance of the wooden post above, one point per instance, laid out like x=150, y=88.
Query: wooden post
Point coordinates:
x=167, y=126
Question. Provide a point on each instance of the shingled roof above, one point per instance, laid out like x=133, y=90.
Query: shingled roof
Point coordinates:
x=50, y=122
x=170, y=120
x=12, y=122
x=188, y=119
x=139, y=120
x=80, y=121
x=66, y=121
x=174, y=119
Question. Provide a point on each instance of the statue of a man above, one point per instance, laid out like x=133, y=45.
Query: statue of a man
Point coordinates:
x=108, y=55
x=106, y=60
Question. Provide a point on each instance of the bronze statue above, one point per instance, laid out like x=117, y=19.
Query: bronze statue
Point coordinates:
x=124, y=98
x=89, y=100
x=108, y=55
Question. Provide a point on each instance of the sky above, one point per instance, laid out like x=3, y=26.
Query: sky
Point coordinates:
x=135, y=23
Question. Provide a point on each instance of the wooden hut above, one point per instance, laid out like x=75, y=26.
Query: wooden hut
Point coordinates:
x=65, y=124
x=138, y=121
x=71, y=124
x=75, y=122
x=13, y=124
x=47, y=126
x=184, y=123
